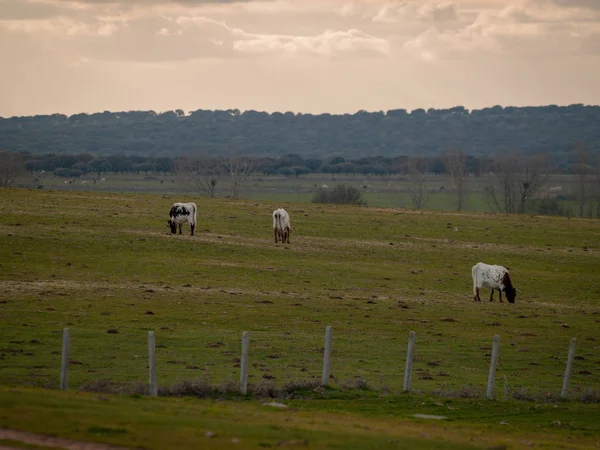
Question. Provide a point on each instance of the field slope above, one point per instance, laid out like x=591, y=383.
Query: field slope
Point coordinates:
x=105, y=266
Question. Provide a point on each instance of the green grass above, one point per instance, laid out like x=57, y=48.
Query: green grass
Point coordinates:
x=365, y=423
x=379, y=191
x=94, y=261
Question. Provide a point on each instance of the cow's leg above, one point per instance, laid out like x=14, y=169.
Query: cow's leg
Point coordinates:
x=288, y=235
x=192, y=227
x=180, y=232
x=476, y=298
x=500, y=292
x=275, y=234
x=492, y=295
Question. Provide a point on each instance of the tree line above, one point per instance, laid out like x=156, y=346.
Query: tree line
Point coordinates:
x=514, y=180
x=75, y=165
x=481, y=132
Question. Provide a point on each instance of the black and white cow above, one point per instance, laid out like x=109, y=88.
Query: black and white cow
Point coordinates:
x=493, y=277
x=181, y=213
x=281, y=225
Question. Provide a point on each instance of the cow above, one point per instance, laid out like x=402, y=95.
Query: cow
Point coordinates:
x=493, y=277
x=181, y=213
x=281, y=225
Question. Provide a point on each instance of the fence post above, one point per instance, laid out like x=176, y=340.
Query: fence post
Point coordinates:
x=326, y=356
x=244, y=364
x=409, y=360
x=493, y=365
x=64, y=367
x=152, y=364
x=569, y=368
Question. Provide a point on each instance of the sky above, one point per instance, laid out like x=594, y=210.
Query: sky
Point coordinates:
x=308, y=56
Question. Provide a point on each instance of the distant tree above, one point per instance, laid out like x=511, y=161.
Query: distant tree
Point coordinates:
x=455, y=162
x=239, y=168
x=314, y=164
x=482, y=132
x=62, y=172
x=11, y=166
x=341, y=194
x=145, y=167
x=33, y=165
x=596, y=187
x=585, y=172
x=517, y=178
x=164, y=164
x=97, y=165
x=418, y=168
x=201, y=173
x=82, y=166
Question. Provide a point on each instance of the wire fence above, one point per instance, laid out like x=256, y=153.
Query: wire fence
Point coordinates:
x=244, y=358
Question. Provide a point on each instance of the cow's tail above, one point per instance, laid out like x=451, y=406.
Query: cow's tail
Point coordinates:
x=474, y=272
x=194, y=213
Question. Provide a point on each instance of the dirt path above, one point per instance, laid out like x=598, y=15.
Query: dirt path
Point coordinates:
x=49, y=441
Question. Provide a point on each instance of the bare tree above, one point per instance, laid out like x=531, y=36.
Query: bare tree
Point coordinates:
x=11, y=166
x=199, y=173
x=534, y=172
x=585, y=171
x=239, y=168
x=418, y=168
x=456, y=165
x=596, y=185
x=517, y=178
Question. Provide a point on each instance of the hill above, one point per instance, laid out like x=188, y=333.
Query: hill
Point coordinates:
x=548, y=129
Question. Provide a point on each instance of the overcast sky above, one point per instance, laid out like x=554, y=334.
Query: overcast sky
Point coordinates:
x=71, y=56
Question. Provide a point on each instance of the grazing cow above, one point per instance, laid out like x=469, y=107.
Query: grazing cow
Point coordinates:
x=281, y=225
x=181, y=213
x=493, y=277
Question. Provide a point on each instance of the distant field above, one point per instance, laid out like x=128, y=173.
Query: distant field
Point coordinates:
x=385, y=192
x=95, y=261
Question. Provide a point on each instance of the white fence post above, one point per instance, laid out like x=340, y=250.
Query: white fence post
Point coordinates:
x=64, y=367
x=569, y=368
x=327, y=356
x=493, y=365
x=244, y=364
x=152, y=364
x=409, y=360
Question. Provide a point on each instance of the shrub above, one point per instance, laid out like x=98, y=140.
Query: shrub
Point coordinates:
x=550, y=207
x=341, y=195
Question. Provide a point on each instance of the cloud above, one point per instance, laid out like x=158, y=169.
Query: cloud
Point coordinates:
x=61, y=26
x=328, y=43
x=399, y=11
x=181, y=2
x=528, y=27
x=432, y=30
x=23, y=10
x=538, y=11
x=590, y=4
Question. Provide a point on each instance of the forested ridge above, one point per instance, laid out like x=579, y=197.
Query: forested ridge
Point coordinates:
x=485, y=132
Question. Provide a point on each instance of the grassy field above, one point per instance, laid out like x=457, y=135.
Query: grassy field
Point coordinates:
x=364, y=423
x=378, y=191
x=105, y=265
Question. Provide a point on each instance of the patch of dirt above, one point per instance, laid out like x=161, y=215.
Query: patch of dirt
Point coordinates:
x=56, y=287
x=50, y=442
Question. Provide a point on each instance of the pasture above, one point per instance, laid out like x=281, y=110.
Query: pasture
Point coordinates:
x=106, y=266
x=392, y=191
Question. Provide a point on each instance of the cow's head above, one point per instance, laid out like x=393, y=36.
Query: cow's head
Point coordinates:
x=172, y=225
x=511, y=293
